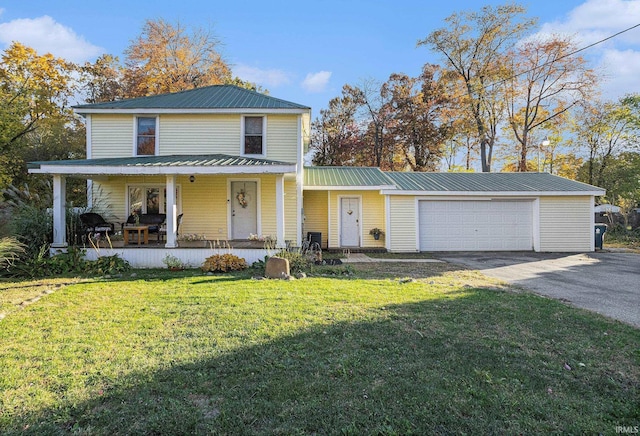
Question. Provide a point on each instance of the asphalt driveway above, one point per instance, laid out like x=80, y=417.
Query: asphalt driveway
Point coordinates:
x=603, y=282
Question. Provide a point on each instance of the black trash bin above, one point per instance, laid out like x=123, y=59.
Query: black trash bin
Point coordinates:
x=314, y=238
x=600, y=230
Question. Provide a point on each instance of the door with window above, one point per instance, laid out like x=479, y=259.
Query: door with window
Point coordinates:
x=350, y=222
x=244, y=209
x=149, y=199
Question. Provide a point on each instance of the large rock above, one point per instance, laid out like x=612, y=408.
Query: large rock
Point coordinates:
x=277, y=268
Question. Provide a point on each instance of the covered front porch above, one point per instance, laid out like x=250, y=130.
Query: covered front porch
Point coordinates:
x=219, y=198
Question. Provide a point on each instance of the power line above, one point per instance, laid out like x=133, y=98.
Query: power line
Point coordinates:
x=575, y=51
x=558, y=59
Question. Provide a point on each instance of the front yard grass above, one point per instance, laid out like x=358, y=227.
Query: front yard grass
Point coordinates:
x=393, y=349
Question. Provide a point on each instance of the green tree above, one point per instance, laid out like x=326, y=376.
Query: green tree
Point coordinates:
x=607, y=129
x=34, y=94
x=32, y=88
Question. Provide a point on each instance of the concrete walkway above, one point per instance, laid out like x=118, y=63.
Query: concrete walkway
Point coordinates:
x=363, y=258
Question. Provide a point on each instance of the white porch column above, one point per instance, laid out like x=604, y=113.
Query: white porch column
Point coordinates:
x=59, y=218
x=280, y=211
x=172, y=212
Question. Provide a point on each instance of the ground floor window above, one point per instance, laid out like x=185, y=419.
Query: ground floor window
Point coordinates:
x=149, y=199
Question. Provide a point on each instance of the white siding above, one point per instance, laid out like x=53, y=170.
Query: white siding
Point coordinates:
x=566, y=224
x=111, y=136
x=402, y=218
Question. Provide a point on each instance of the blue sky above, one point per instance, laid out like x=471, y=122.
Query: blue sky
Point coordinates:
x=306, y=51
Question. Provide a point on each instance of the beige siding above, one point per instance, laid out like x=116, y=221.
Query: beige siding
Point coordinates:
x=203, y=203
x=199, y=134
x=204, y=207
x=565, y=224
x=282, y=137
x=268, y=201
x=290, y=211
x=372, y=212
x=403, y=223
x=316, y=214
x=111, y=136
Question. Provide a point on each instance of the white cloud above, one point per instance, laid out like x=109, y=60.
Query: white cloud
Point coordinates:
x=620, y=69
x=316, y=82
x=597, y=19
x=616, y=58
x=45, y=35
x=271, y=78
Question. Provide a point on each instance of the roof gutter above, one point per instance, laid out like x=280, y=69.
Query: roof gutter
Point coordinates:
x=492, y=193
x=133, y=170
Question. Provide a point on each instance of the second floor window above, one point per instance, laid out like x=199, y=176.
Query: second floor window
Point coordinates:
x=253, y=135
x=146, y=136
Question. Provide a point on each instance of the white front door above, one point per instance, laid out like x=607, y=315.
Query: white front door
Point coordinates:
x=244, y=209
x=349, y=222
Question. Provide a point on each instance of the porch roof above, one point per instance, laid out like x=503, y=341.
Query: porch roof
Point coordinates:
x=156, y=165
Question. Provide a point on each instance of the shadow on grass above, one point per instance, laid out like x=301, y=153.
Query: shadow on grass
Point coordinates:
x=480, y=362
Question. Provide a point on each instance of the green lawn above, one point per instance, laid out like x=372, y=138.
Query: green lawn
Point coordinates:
x=394, y=349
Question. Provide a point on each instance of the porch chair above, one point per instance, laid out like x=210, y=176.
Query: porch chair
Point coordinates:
x=94, y=223
x=163, y=229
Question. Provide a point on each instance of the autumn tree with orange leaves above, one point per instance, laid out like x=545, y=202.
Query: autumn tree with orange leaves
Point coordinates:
x=168, y=57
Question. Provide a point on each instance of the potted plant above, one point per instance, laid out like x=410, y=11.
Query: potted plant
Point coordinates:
x=376, y=232
x=173, y=263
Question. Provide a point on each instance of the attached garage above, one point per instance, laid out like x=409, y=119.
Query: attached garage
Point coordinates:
x=489, y=212
x=475, y=225
x=451, y=211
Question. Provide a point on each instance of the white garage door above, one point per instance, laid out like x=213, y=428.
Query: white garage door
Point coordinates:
x=475, y=225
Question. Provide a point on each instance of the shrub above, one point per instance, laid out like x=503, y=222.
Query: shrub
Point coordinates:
x=109, y=265
x=30, y=222
x=10, y=250
x=71, y=262
x=298, y=262
x=223, y=263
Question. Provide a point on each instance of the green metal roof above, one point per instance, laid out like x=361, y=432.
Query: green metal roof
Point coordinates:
x=487, y=182
x=208, y=97
x=207, y=160
x=157, y=165
x=437, y=183
x=345, y=176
